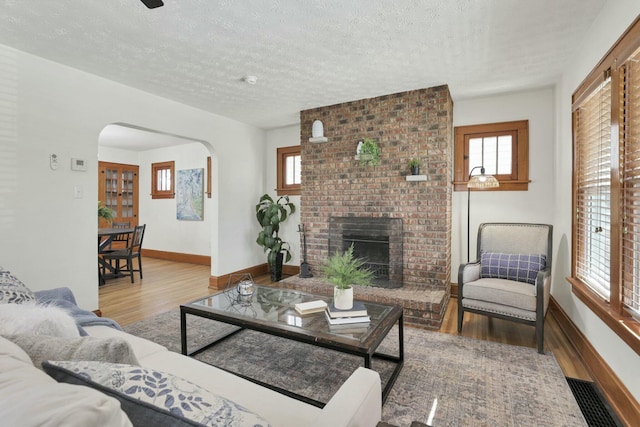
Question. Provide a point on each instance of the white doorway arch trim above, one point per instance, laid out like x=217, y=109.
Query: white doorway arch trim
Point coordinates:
x=133, y=138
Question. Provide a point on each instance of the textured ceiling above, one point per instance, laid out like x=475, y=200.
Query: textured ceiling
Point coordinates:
x=305, y=53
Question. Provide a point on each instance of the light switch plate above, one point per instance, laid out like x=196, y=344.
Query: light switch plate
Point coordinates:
x=77, y=191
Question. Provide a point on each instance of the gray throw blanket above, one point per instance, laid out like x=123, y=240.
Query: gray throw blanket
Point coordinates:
x=63, y=298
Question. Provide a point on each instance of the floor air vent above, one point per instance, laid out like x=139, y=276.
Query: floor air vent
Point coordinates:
x=594, y=407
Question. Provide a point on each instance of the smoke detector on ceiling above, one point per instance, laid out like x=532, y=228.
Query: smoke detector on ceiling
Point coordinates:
x=250, y=79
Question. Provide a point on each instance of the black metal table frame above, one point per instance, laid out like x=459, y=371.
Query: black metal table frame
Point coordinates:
x=275, y=331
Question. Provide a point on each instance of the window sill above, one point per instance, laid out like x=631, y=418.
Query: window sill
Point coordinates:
x=163, y=196
x=626, y=327
x=288, y=191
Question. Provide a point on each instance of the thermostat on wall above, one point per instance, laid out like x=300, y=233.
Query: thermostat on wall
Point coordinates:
x=78, y=165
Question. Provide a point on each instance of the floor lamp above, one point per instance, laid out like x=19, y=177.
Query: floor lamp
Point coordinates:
x=477, y=181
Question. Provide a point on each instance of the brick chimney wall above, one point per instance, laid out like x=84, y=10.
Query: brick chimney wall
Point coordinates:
x=416, y=123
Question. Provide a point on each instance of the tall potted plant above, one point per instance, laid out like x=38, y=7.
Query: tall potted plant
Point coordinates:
x=345, y=270
x=270, y=214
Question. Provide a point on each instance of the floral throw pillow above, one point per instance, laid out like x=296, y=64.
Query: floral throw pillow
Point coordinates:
x=151, y=397
x=12, y=290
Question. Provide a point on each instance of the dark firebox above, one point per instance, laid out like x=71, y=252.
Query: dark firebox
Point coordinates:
x=377, y=240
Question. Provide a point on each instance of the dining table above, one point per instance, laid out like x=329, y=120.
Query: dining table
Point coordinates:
x=105, y=238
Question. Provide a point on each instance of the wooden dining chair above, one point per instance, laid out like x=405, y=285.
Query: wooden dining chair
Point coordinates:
x=120, y=241
x=115, y=243
x=133, y=250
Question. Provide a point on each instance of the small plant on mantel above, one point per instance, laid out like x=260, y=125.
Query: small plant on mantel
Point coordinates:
x=414, y=165
x=369, y=152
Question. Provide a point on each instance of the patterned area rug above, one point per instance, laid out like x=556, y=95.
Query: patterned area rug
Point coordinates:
x=471, y=382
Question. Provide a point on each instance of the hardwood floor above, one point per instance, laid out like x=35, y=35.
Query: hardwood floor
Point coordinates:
x=165, y=286
x=168, y=284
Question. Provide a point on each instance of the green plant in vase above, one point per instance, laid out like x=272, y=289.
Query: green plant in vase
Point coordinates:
x=270, y=215
x=345, y=270
x=414, y=165
x=104, y=212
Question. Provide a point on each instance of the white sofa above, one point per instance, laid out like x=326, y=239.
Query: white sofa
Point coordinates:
x=358, y=402
x=30, y=397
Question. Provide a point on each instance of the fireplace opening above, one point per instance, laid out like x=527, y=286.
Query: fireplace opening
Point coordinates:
x=375, y=252
x=376, y=240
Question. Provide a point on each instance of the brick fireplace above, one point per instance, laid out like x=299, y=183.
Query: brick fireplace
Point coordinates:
x=410, y=124
x=378, y=241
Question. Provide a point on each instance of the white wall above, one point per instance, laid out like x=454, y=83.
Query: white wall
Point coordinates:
x=616, y=16
x=164, y=232
x=48, y=236
x=118, y=155
x=533, y=205
x=284, y=137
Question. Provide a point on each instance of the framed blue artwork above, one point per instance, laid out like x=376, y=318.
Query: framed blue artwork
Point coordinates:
x=190, y=195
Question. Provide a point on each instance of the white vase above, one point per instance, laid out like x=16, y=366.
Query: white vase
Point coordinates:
x=343, y=298
x=317, y=129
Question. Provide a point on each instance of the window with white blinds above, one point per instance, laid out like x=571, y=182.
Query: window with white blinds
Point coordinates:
x=605, y=271
x=630, y=183
x=592, y=189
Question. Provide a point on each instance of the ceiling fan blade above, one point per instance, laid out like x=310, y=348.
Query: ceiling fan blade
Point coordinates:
x=152, y=4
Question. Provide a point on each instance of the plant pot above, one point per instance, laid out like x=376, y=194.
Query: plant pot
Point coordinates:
x=415, y=170
x=343, y=298
x=276, y=270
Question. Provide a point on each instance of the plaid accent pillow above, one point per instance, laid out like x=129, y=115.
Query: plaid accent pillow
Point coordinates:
x=519, y=267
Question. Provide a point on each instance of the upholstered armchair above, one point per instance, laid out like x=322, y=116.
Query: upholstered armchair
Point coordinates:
x=511, y=279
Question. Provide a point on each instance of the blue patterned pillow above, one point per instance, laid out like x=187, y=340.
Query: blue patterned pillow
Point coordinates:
x=151, y=397
x=12, y=290
x=519, y=267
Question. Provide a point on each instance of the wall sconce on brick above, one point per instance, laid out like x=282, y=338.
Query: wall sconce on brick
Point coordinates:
x=317, y=133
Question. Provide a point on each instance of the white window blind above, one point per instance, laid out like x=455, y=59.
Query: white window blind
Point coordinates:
x=630, y=184
x=593, y=189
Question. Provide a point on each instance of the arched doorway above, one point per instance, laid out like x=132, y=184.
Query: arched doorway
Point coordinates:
x=166, y=236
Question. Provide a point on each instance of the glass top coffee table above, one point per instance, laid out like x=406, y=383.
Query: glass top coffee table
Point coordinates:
x=271, y=311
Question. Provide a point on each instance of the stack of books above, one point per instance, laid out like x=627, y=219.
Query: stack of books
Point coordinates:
x=310, y=307
x=356, y=314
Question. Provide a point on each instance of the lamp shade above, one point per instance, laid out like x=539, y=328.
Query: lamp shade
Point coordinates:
x=482, y=181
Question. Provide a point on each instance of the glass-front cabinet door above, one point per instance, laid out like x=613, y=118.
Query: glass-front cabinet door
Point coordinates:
x=118, y=190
